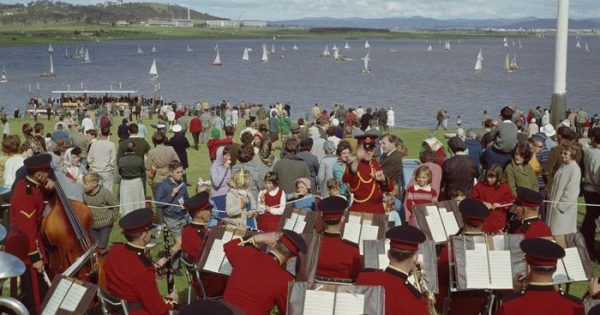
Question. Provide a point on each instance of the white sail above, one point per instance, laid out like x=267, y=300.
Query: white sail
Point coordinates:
x=153, y=49
x=216, y=47
x=578, y=45
x=326, y=52
x=86, y=59
x=587, y=48
x=429, y=48
x=295, y=47
x=153, y=70
x=51, y=65
x=478, y=63
x=217, y=61
x=265, y=54
x=334, y=47
x=3, y=77
x=81, y=51
x=272, y=48
x=366, y=60
x=140, y=51
x=66, y=52
x=336, y=54
x=507, y=64
x=447, y=45
x=520, y=45
x=367, y=44
x=245, y=56
x=505, y=42
x=347, y=46
x=189, y=49
x=513, y=63
x=50, y=48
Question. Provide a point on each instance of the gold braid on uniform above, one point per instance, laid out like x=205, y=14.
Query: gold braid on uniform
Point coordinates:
x=362, y=181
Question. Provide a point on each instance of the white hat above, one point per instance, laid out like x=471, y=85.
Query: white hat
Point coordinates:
x=566, y=123
x=335, y=122
x=548, y=130
x=176, y=128
x=533, y=120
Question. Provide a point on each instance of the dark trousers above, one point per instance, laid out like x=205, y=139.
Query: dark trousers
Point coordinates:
x=588, y=226
x=33, y=289
x=196, y=137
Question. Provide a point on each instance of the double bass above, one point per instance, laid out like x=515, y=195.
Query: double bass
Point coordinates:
x=66, y=232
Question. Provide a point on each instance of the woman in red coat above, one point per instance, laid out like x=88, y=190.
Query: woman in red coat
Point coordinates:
x=495, y=193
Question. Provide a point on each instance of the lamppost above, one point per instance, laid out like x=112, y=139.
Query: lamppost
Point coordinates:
x=559, y=96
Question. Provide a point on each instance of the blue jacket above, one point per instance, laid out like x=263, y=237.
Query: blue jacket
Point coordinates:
x=163, y=194
x=475, y=150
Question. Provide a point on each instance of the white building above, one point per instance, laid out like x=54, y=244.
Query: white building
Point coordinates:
x=254, y=23
x=222, y=23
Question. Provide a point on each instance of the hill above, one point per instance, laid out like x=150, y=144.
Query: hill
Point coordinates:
x=49, y=12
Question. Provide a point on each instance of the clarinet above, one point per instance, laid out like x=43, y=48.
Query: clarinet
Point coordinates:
x=169, y=263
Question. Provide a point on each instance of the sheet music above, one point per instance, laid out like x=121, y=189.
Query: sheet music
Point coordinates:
x=500, y=269
x=574, y=268
x=354, y=219
x=498, y=241
x=352, y=232
x=476, y=268
x=383, y=261
x=215, y=256
x=436, y=228
x=367, y=232
x=74, y=296
x=349, y=304
x=57, y=297
x=560, y=275
x=450, y=224
x=431, y=210
x=226, y=267
x=299, y=226
x=227, y=236
x=318, y=302
x=289, y=223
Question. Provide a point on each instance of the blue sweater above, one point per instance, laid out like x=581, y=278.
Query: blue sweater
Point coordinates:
x=163, y=194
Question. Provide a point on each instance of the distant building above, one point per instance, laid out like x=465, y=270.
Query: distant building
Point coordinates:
x=222, y=23
x=171, y=22
x=121, y=23
x=254, y=23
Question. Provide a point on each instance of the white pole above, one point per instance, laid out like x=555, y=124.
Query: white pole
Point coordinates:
x=559, y=98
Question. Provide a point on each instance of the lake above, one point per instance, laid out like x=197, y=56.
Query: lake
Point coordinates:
x=416, y=83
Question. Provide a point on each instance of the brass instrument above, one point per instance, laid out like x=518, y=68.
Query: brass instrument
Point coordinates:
x=421, y=281
x=14, y=305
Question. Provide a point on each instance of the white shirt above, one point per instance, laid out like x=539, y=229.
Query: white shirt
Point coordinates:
x=11, y=166
x=272, y=210
x=87, y=124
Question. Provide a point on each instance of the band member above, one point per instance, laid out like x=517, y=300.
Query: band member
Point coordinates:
x=24, y=236
x=338, y=259
x=365, y=178
x=206, y=307
x=129, y=271
x=474, y=213
x=401, y=297
x=193, y=237
x=259, y=280
x=527, y=212
x=539, y=295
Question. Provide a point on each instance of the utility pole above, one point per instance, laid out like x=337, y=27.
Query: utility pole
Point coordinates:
x=559, y=96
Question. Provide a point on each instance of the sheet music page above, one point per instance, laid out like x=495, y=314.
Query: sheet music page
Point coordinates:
x=227, y=236
x=349, y=304
x=215, y=257
x=226, y=267
x=500, y=269
x=289, y=224
x=383, y=261
x=354, y=218
x=431, y=210
x=73, y=297
x=498, y=241
x=299, y=227
x=450, y=223
x=367, y=232
x=318, y=302
x=574, y=266
x=560, y=275
x=476, y=269
x=352, y=232
x=436, y=228
x=57, y=297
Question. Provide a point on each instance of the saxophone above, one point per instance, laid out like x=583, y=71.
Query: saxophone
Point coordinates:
x=421, y=281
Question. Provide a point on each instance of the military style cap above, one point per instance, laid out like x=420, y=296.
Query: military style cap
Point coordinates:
x=332, y=206
x=405, y=237
x=38, y=162
x=369, y=141
x=541, y=252
x=138, y=220
x=528, y=198
x=473, y=211
x=198, y=202
x=206, y=307
x=293, y=241
x=595, y=310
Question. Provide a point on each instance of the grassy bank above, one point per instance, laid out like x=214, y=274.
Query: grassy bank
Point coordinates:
x=64, y=33
x=200, y=165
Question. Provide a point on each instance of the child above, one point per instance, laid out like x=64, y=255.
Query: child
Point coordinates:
x=97, y=198
x=493, y=191
x=306, y=200
x=389, y=205
x=173, y=191
x=239, y=202
x=271, y=203
x=334, y=188
x=420, y=193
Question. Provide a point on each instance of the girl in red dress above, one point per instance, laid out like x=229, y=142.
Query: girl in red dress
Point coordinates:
x=420, y=193
x=271, y=203
x=494, y=192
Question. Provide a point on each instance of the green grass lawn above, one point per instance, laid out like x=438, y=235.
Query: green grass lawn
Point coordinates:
x=200, y=165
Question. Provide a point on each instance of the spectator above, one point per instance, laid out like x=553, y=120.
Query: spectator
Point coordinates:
x=474, y=147
x=419, y=193
x=310, y=159
x=70, y=174
x=13, y=163
x=36, y=143
x=343, y=155
x=103, y=206
x=458, y=172
x=234, y=147
x=158, y=160
x=215, y=142
x=564, y=192
x=564, y=136
x=132, y=171
x=240, y=203
x=495, y=194
x=326, y=168
x=302, y=198
x=391, y=160
x=59, y=133
x=591, y=191
x=180, y=144
x=519, y=173
x=538, y=159
x=195, y=129
x=291, y=167
x=123, y=130
x=141, y=145
x=271, y=203
x=205, y=119
x=220, y=174
x=172, y=193
x=101, y=157
x=505, y=135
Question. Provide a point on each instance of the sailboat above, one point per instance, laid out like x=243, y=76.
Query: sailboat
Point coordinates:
x=336, y=54
x=587, y=48
x=429, y=48
x=216, y=47
x=3, y=77
x=295, y=47
x=334, y=47
x=272, y=49
x=578, y=45
x=79, y=53
x=50, y=48
x=507, y=64
x=513, y=63
x=86, y=58
x=217, y=61
x=265, y=55
x=67, y=53
x=153, y=70
x=189, y=49
x=246, y=55
x=153, y=48
x=366, y=60
x=140, y=51
x=520, y=45
x=367, y=44
x=447, y=45
x=347, y=46
x=505, y=41
x=478, y=63
x=326, y=52
x=51, y=72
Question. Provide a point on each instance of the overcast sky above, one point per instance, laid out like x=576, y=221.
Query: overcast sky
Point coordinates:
x=443, y=9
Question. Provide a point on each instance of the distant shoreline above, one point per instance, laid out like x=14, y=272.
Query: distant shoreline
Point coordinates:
x=11, y=35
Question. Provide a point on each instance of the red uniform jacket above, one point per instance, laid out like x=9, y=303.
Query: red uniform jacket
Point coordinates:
x=401, y=297
x=337, y=258
x=368, y=194
x=538, y=300
x=257, y=281
x=496, y=221
x=534, y=227
x=26, y=214
x=193, y=237
x=130, y=276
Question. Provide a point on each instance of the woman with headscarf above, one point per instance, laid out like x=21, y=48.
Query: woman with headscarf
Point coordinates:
x=343, y=154
x=302, y=199
x=70, y=174
x=220, y=174
x=36, y=144
x=131, y=170
x=326, y=167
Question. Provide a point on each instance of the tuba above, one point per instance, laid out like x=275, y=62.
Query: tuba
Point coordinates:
x=14, y=305
x=421, y=281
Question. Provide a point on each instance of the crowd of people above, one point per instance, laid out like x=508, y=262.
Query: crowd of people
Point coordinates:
x=517, y=176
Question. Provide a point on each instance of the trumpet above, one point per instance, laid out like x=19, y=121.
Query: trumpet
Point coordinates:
x=421, y=281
